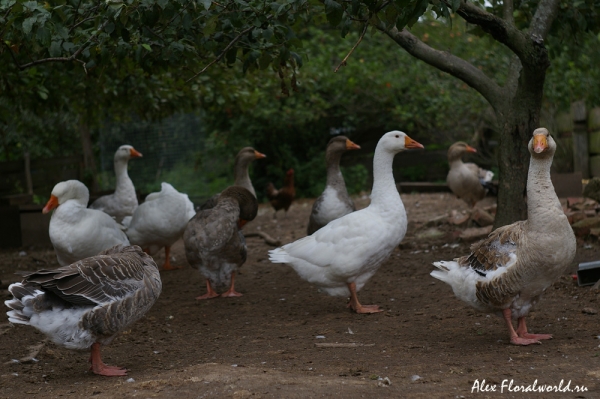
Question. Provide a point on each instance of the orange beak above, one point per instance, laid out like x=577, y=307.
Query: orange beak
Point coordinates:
x=410, y=143
x=471, y=149
x=241, y=223
x=134, y=153
x=351, y=146
x=51, y=204
x=259, y=155
x=540, y=143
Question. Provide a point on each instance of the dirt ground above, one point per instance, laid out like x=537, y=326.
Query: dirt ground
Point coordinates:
x=266, y=344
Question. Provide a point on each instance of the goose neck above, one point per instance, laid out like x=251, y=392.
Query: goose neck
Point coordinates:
x=384, y=185
x=541, y=197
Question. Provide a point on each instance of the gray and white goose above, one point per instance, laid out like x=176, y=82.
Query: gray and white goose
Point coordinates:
x=86, y=304
x=214, y=243
x=508, y=272
x=123, y=201
x=335, y=201
x=241, y=176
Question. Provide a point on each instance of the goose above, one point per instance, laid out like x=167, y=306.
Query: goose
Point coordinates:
x=344, y=254
x=77, y=232
x=160, y=221
x=467, y=181
x=86, y=304
x=214, y=243
x=124, y=200
x=508, y=272
x=335, y=201
x=241, y=178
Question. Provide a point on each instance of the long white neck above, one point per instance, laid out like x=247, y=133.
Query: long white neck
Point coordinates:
x=541, y=197
x=124, y=183
x=384, y=187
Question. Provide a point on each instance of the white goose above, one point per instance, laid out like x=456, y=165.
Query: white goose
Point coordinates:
x=343, y=255
x=124, y=200
x=76, y=231
x=508, y=272
x=86, y=304
x=160, y=221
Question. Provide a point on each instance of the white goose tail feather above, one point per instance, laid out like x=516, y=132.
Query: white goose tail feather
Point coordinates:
x=279, y=255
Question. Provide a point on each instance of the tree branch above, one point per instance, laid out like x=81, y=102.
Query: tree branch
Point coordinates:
x=220, y=56
x=508, y=10
x=447, y=62
x=544, y=16
x=343, y=63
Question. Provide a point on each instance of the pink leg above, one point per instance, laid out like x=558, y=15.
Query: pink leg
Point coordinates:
x=167, y=265
x=98, y=367
x=231, y=292
x=356, y=306
x=515, y=339
x=522, y=331
x=210, y=293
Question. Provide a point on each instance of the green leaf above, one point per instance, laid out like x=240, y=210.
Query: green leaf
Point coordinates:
x=162, y=3
x=43, y=94
x=455, y=4
x=28, y=24
x=55, y=49
x=334, y=12
x=147, y=46
x=264, y=61
x=206, y=3
x=210, y=26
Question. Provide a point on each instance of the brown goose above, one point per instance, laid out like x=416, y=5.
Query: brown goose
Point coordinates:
x=466, y=180
x=214, y=243
x=84, y=305
x=335, y=201
x=508, y=272
x=241, y=178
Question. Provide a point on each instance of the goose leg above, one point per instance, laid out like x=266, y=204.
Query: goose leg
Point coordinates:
x=231, y=292
x=522, y=331
x=167, y=265
x=515, y=339
x=356, y=306
x=210, y=293
x=98, y=367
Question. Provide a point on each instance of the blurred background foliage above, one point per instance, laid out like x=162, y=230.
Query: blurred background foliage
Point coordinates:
x=189, y=133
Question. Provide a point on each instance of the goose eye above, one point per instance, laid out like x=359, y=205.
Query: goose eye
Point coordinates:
x=397, y=136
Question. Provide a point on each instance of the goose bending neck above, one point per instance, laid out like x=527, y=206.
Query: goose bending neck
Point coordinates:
x=241, y=176
x=384, y=186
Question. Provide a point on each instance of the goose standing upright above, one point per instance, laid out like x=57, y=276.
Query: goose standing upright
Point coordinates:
x=335, y=201
x=123, y=201
x=467, y=181
x=241, y=177
x=160, y=221
x=508, y=272
x=76, y=231
x=86, y=304
x=214, y=243
x=343, y=255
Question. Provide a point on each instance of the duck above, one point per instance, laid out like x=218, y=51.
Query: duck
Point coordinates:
x=124, y=200
x=83, y=306
x=282, y=198
x=467, y=181
x=214, y=243
x=160, y=221
x=77, y=232
x=334, y=202
x=241, y=177
x=344, y=254
x=507, y=272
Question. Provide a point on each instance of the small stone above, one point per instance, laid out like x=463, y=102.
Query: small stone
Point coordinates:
x=130, y=380
x=589, y=311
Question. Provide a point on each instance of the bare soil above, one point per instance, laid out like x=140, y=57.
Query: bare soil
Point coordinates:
x=268, y=343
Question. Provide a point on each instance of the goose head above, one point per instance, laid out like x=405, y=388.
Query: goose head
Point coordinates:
x=246, y=201
x=457, y=149
x=397, y=141
x=541, y=145
x=65, y=191
x=249, y=154
x=339, y=145
x=126, y=152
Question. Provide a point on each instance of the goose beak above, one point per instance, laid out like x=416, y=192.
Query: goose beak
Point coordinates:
x=135, y=154
x=51, y=204
x=351, y=146
x=410, y=143
x=241, y=223
x=471, y=149
x=540, y=143
x=259, y=155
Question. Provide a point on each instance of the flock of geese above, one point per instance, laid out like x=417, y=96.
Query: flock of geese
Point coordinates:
x=108, y=280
